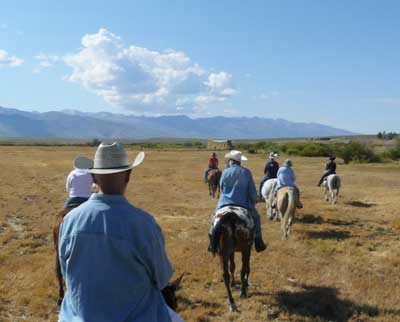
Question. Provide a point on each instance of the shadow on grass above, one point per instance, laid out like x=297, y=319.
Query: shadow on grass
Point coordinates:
x=185, y=303
x=310, y=219
x=329, y=234
x=322, y=303
x=360, y=204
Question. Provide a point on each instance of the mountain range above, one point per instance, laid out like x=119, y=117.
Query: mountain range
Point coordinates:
x=72, y=124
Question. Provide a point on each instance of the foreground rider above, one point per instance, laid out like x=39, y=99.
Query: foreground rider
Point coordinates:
x=287, y=178
x=79, y=185
x=212, y=164
x=270, y=170
x=112, y=254
x=330, y=168
x=237, y=188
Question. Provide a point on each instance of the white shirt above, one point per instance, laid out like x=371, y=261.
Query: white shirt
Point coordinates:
x=79, y=184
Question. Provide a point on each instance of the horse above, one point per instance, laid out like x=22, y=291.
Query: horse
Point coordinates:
x=168, y=292
x=234, y=236
x=286, y=203
x=213, y=179
x=267, y=192
x=331, y=186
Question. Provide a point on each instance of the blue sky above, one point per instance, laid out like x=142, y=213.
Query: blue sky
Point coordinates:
x=333, y=62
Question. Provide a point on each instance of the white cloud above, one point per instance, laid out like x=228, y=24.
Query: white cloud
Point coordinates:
x=143, y=80
x=45, y=62
x=9, y=61
x=265, y=96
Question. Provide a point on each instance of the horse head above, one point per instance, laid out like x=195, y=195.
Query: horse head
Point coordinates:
x=168, y=292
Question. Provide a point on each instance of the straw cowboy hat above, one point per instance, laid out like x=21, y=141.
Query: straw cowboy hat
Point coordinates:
x=236, y=156
x=273, y=155
x=109, y=158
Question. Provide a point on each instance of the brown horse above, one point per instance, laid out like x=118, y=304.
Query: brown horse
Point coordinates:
x=213, y=179
x=168, y=292
x=233, y=236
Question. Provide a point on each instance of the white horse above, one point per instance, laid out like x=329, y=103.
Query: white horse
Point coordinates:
x=267, y=191
x=331, y=186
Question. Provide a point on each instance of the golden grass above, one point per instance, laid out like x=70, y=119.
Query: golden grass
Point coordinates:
x=342, y=262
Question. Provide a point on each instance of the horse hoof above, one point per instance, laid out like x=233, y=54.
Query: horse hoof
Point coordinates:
x=243, y=295
x=233, y=308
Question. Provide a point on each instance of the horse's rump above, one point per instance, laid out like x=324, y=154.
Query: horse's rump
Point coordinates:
x=214, y=176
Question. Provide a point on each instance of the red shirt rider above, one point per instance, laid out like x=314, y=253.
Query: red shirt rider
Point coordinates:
x=213, y=163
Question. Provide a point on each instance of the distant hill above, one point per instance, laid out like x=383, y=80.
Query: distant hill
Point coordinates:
x=72, y=124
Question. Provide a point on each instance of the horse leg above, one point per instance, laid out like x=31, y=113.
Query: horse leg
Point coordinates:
x=284, y=226
x=225, y=275
x=244, y=275
x=232, y=267
x=60, y=281
x=209, y=188
x=289, y=226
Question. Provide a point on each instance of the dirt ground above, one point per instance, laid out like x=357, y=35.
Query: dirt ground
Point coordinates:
x=342, y=262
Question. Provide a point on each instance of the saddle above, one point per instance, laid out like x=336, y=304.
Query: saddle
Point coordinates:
x=243, y=214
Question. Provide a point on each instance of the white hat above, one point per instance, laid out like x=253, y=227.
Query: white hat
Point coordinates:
x=109, y=158
x=235, y=155
x=273, y=155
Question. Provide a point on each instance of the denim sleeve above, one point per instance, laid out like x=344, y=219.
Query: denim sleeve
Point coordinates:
x=63, y=250
x=266, y=168
x=222, y=180
x=157, y=260
x=252, y=190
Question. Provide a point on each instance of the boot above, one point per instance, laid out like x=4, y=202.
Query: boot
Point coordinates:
x=259, y=244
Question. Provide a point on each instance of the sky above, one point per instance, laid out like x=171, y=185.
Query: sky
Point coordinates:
x=334, y=62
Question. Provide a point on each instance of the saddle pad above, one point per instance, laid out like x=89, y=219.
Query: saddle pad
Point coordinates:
x=242, y=213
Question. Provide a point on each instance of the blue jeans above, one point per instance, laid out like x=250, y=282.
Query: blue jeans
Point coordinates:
x=74, y=201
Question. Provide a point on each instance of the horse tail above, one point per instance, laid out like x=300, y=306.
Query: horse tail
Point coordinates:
x=291, y=202
x=229, y=220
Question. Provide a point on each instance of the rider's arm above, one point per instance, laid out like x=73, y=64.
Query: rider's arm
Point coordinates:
x=252, y=191
x=68, y=184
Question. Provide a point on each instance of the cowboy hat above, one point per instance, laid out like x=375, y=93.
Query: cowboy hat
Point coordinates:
x=288, y=163
x=273, y=155
x=236, y=156
x=109, y=158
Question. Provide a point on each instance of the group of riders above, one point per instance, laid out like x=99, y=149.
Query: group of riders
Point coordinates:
x=113, y=252
x=238, y=188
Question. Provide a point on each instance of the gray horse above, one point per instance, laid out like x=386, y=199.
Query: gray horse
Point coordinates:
x=267, y=191
x=331, y=186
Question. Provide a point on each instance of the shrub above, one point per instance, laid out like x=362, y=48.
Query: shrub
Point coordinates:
x=357, y=152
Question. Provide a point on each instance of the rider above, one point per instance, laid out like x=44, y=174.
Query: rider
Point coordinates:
x=238, y=189
x=270, y=170
x=287, y=178
x=212, y=164
x=79, y=185
x=330, y=168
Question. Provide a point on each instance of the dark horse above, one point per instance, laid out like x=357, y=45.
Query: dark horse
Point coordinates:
x=213, y=178
x=233, y=236
x=168, y=292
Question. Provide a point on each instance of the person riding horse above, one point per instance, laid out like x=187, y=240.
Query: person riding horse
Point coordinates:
x=112, y=254
x=270, y=170
x=238, y=189
x=79, y=185
x=330, y=168
x=287, y=178
x=212, y=164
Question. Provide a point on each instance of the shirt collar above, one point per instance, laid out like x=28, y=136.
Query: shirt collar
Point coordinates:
x=108, y=198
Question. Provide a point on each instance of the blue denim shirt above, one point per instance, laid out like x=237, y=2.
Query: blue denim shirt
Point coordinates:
x=286, y=178
x=237, y=188
x=114, y=263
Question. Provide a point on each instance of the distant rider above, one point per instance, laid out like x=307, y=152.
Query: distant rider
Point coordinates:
x=330, y=168
x=212, y=164
x=79, y=185
x=237, y=188
x=287, y=178
x=270, y=170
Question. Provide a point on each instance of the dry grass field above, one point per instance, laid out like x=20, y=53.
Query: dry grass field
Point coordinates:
x=342, y=262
